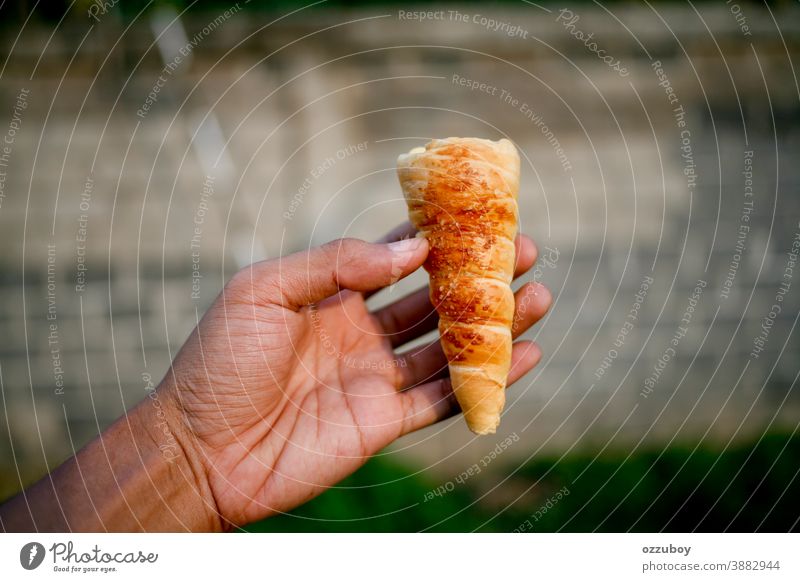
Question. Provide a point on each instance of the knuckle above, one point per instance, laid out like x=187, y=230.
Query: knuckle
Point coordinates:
x=345, y=251
x=336, y=245
x=348, y=245
x=251, y=284
x=240, y=281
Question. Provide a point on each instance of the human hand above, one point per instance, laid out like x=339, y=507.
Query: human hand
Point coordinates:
x=289, y=383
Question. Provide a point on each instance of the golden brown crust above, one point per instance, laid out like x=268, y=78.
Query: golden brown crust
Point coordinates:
x=461, y=195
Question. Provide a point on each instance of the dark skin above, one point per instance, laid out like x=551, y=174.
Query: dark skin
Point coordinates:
x=288, y=384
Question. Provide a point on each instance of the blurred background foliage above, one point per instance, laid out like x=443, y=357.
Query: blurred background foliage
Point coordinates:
x=748, y=487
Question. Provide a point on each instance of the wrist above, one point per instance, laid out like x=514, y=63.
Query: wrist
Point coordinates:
x=141, y=474
x=178, y=461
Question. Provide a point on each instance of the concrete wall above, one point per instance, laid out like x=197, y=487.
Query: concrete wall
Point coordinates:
x=268, y=103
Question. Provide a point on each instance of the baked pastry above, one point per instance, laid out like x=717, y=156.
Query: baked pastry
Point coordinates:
x=462, y=196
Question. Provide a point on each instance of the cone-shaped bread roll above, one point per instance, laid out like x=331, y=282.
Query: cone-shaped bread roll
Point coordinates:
x=462, y=196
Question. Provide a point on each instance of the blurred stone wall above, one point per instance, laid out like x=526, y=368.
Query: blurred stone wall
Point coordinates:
x=130, y=174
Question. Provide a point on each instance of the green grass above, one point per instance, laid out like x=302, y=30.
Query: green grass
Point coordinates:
x=676, y=489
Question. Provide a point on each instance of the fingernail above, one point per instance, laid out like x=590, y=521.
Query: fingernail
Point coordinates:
x=402, y=252
x=406, y=246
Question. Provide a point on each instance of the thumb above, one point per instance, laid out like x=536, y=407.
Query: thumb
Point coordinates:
x=308, y=277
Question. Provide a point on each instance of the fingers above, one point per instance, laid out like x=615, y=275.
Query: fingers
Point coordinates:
x=527, y=253
x=408, y=318
x=308, y=277
x=435, y=401
x=400, y=232
x=421, y=364
x=531, y=303
x=428, y=361
x=414, y=315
